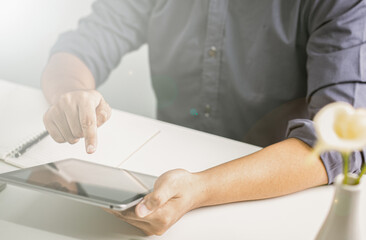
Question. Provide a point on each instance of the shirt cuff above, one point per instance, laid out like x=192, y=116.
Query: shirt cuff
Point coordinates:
x=303, y=129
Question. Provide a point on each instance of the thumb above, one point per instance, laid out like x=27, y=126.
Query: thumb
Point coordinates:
x=153, y=201
x=103, y=112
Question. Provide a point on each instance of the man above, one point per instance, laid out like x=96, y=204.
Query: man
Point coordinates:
x=255, y=71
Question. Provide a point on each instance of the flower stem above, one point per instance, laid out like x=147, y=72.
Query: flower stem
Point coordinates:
x=345, y=157
x=363, y=171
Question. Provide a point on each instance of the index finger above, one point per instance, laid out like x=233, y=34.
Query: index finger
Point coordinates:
x=88, y=122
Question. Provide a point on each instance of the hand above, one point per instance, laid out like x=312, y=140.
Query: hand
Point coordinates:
x=175, y=193
x=75, y=115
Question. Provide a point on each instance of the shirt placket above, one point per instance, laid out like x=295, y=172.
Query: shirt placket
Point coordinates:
x=211, y=60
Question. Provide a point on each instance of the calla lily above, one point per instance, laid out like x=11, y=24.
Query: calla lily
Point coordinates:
x=340, y=127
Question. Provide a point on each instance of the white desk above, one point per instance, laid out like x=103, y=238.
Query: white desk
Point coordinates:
x=26, y=214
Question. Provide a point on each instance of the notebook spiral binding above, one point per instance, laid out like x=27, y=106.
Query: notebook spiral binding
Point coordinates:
x=22, y=147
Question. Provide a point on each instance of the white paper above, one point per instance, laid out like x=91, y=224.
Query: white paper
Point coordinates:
x=118, y=139
x=21, y=118
x=21, y=114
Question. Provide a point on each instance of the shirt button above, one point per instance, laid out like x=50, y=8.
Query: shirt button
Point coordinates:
x=212, y=52
x=207, y=111
x=193, y=112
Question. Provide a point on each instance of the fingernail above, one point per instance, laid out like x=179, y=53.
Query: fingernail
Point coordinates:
x=142, y=210
x=90, y=149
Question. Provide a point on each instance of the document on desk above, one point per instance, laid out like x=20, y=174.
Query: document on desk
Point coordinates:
x=21, y=112
x=118, y=140
x=21, y=127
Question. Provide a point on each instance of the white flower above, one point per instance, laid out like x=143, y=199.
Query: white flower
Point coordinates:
x=340, y=127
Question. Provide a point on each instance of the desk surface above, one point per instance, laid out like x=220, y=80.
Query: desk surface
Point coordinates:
x=26, y=214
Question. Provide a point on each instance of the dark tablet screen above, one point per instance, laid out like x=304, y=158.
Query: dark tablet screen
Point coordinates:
x=85, y=180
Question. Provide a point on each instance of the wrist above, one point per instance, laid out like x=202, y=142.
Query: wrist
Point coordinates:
x=64, y=73
x=202, y=189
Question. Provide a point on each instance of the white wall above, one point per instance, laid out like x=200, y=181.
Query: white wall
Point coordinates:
x=28, y=29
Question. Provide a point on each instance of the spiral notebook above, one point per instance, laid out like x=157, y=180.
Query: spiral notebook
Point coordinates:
x=24, y=142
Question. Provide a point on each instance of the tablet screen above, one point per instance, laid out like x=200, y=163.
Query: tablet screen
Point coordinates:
x=86, y=180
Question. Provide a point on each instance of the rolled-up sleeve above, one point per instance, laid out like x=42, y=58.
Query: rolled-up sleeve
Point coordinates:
x=112, y=29
x=336, y=68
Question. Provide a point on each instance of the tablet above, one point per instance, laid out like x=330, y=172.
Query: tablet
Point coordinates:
x=84, y=181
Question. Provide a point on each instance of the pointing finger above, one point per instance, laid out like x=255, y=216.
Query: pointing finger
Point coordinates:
x=88, y=123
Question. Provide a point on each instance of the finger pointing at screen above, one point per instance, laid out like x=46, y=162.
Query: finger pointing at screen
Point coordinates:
x=76, y=115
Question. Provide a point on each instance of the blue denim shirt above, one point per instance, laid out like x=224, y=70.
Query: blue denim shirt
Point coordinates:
x=255, y=71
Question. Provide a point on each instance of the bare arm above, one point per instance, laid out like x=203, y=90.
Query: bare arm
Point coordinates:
x=77, y=109
x=101, y=39
x=65, y=73
x=277, y=170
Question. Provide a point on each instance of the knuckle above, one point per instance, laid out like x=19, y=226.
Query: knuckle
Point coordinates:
x=65, y=99
x=173, y=177
x=85, y=95
x=169, y=175
x=156, y=199
x=77, y=134
x=87, y=124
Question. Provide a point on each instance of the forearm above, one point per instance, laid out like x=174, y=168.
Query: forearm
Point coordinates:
x=277, y=170
x=64, y=73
